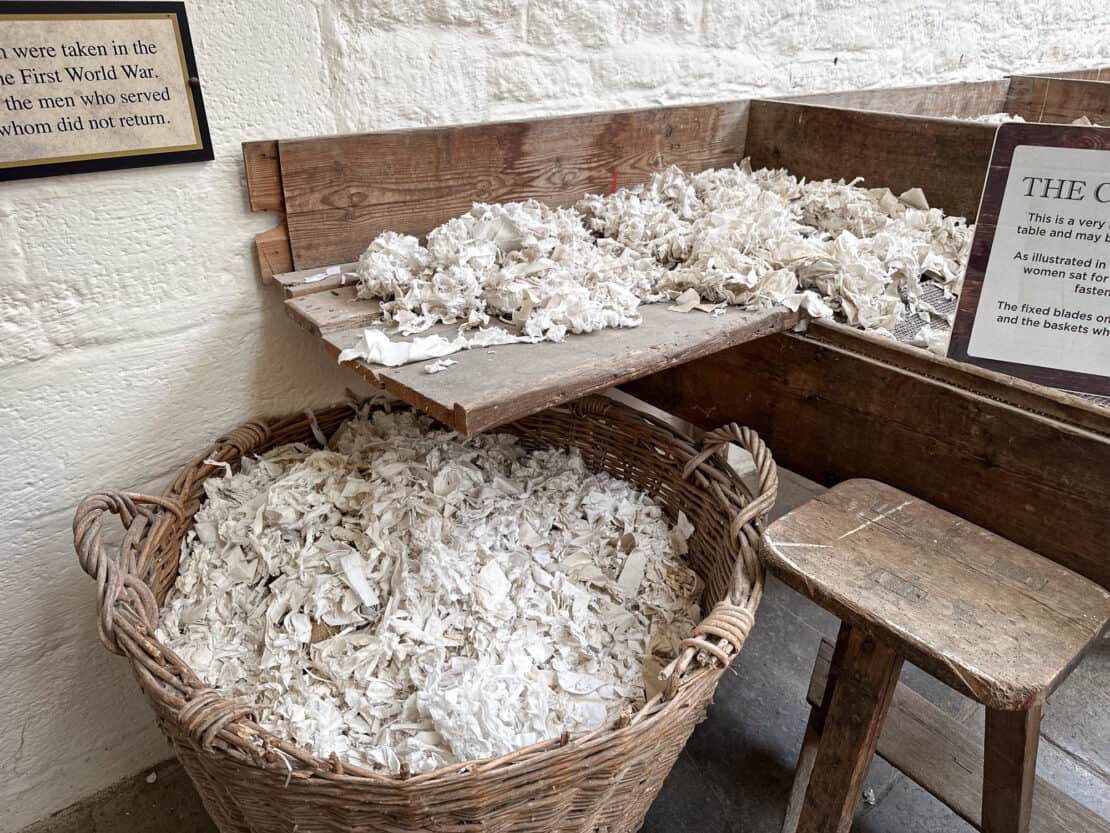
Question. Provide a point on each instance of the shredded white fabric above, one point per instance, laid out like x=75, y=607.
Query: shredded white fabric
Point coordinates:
x=690, y=300
x=439, y=365
x=731, y=236
x=409, y=597
x=378, y=348
x=992, y=118
x=1004, y=118
x=525, y=264
x=935, y=341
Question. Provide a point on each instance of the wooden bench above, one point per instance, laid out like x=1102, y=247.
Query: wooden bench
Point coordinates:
x=993, y=620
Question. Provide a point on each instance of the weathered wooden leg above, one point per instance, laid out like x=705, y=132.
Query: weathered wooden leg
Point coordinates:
x=808, y=753
x=863, y=691
x=806, y=758
x=1009, y=769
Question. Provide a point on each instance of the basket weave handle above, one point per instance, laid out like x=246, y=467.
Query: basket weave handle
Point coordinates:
x=204, y=715
x=724, y=631
x=117, y=576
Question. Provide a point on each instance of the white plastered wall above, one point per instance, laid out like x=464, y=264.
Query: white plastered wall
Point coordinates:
x=133, y=328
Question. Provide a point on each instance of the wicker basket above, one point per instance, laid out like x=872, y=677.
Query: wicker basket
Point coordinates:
x=254, y=782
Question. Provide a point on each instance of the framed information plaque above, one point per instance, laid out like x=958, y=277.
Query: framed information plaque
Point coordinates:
x=1036, y=296
x=89, y=86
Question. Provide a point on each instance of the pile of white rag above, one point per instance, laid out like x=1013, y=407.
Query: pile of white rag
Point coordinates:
x=407, y=597
x=523, y=271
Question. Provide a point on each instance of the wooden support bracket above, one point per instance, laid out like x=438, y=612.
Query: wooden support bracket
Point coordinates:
x=262, y=164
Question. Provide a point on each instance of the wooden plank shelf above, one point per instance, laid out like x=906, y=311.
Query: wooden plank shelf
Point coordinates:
x=492, y=386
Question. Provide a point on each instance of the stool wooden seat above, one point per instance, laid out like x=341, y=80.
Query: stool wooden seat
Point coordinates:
x=993, y=620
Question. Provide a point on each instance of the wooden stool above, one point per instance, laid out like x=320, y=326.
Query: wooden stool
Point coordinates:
x=993, y=620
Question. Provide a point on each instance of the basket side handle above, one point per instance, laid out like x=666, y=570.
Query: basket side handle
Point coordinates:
x=746, y=526
x=117, y=575
x=724, y=631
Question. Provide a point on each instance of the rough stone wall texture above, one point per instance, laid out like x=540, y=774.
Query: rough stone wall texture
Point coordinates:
x=133, y=327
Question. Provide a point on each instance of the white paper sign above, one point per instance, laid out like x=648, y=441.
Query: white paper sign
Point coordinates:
x=1040, y=307
x=1048, y=277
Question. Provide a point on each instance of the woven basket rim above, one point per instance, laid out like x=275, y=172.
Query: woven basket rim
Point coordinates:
x=224, y=727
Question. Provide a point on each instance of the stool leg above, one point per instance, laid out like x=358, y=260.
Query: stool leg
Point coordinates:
x=806, y=758
x=1009, y=769
x=808, y=753
x=864, y=689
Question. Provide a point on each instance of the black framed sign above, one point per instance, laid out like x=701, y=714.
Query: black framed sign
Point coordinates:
x=90, y=86
x=1036, y=296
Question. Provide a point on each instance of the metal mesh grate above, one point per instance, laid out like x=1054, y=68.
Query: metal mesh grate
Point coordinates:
x=911, y=325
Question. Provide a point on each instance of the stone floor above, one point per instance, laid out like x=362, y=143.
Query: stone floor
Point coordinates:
x=737, y=768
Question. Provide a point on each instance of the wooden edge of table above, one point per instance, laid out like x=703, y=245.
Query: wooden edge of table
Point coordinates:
x=1089, y=74
x=960, y=99
x=934, y=750
x=326, y=304
x=1041, y=98
x=333, y=310
x=488, y=387
x=296, y=284
x=1027, y=396
x=1055, y=97
x=894, y=149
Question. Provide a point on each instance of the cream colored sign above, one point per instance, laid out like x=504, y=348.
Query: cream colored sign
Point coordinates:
x=1045, y=299
x=79, y=87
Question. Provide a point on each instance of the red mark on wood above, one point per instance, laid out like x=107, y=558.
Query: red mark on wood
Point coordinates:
x=614, y=183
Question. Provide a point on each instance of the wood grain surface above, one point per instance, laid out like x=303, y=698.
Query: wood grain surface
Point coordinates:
x=493, y=386
x=263, y=171
x=832, y=413
x=295, y=284
x=1090, y=74
x=853, y=721
x=807, y=756
x=803, y=770
x=272, y=248
x=1009, y=769
x=341, y=192
x=942, y=755
x=1074, y=410
x=336, y=309
x=988, y=617
x=958, y=100
x=1058, y=100
x=948, y=159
